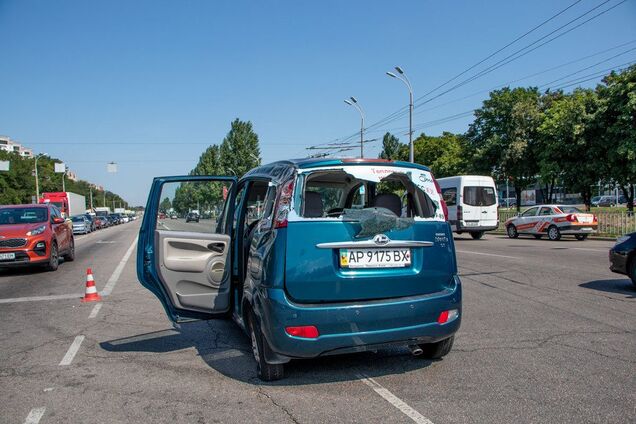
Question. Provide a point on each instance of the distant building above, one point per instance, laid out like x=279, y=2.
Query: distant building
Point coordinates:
x=71, y=175
x=9, y=145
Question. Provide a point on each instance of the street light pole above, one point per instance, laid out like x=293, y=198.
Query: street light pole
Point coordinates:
x=353, y=102
x=37, y=184
x=402, y=77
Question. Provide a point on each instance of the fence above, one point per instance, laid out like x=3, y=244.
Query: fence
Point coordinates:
x=612, y=224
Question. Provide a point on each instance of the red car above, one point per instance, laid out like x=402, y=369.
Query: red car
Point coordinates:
x=34, y=235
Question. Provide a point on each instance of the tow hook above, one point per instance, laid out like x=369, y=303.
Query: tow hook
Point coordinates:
x=416, y=350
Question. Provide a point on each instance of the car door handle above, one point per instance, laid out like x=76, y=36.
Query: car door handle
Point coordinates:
x=216, y=247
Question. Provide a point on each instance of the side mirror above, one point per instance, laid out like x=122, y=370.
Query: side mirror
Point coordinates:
x=58, y=220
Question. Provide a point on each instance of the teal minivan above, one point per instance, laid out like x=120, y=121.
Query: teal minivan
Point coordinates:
x=310, y=257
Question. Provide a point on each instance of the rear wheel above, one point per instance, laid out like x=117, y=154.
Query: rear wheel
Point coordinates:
x=265, y=371
x=512, y=231
x=437, y=350
x=538, y=236
x=581, y=236
x=54, y=259
x=70, y=255
x=553, y=233
x=477, y=234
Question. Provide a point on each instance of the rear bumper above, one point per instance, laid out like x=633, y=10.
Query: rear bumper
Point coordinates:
x=354, y=327
x=578, y=229
x=618, y=262
x=461, y=226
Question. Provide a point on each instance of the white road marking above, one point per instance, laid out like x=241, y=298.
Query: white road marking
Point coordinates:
x=394, y=400
x=72, y=351
x=35, y=415
x=589, y=250
x=486, y=254
x=110, y=284
x=95, y=310
x=105, y=242
x=39, y=298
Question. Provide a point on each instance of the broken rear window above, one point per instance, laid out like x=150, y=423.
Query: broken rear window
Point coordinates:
x=382, y=192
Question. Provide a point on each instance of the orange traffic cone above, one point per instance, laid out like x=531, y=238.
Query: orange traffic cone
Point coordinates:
x=91, y=294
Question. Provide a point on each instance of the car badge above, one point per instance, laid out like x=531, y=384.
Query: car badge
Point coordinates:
x=381, y=239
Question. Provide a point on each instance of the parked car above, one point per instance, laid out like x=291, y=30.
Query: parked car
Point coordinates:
x=112, y=220
x=192, y=217
x=102, y=222
x=173, y=216
x=34, y=235
x=604, y=201
x=116, y=218
x=553, y=221
x=92, y=220
x=81, y=224
x=312, y=257
x=623, y=256
x=472, y=204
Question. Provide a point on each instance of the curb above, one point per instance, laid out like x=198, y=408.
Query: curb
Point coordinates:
x=590, y=237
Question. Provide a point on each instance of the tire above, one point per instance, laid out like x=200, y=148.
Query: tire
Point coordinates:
x=538, y=236
x=476, y=235
x=54, y=258
x=265, y=371
x=437, y=350
x=553, y=233
x=512, y=231
x=632, y=271
x=580, y=237
x=70, y=255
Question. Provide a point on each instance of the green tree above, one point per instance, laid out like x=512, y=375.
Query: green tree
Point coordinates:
x=239, y=151
x=444, y=154
x=165, y=205
x=390, y=147
x=616, y=120
x=571, y=145
x=504, y=136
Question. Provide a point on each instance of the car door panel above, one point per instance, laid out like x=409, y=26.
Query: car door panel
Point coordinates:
x=188, y=268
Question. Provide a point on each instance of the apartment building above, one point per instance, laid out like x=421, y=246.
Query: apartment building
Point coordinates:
x=9, y=145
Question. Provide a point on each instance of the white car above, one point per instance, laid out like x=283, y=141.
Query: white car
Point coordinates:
x=553, y=221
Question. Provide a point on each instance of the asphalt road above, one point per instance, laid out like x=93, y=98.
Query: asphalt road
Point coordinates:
x=547, y=336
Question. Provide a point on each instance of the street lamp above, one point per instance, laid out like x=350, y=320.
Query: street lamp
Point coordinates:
x=402, y=77
x=353, y=102
x=37, y=185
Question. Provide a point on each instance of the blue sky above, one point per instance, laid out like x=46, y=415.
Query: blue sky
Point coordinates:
x=149, y=84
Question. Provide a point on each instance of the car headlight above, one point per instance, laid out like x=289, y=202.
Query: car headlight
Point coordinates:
x=622, y=239
x=36, y=231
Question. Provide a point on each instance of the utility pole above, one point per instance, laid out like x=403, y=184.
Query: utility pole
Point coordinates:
x=406, y=81
x=91, y=197
x=37, y=183
x=353, y=102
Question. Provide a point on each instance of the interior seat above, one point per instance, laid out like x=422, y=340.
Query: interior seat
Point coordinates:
x=389, y=201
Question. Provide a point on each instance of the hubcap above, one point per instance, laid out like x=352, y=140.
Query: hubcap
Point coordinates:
x=553, y=233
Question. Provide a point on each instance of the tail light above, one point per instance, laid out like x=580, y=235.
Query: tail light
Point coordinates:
x=571, y=218
x=283, y=204
x=305, y=331
x=460, y=213
x=441, y=198
x=595, y=219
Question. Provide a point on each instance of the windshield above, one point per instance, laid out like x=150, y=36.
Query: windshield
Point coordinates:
x=77, y=218
x=26, y=215
x=569, y=209
x=479, y=196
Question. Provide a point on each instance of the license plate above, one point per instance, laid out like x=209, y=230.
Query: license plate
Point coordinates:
x=472, y=223
x=7, y=256
x=586, y=229
x=375, y=258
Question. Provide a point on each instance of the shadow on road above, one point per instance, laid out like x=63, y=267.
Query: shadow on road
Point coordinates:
x=621, y=286
x=224, y=347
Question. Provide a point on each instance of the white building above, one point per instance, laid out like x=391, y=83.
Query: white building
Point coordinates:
x=9, y=145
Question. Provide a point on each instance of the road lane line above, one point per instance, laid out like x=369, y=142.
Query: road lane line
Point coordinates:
x=95, y=310
x=589, y=250
x=110, y=284
x=486, y=254
x=35, y=415
x=39, y=298
x=394, y=400
x=72, y=351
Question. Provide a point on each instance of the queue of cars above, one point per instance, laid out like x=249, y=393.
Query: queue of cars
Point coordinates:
x=39, y=234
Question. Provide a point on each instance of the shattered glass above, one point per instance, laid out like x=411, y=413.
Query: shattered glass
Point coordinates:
x=376, y=220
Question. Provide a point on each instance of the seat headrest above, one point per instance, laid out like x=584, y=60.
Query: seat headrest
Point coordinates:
x=313, y=205
x=389, y=201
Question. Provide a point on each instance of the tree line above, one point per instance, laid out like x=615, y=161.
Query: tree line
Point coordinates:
x=238, y=153
x=17, y=186
x=574, y=140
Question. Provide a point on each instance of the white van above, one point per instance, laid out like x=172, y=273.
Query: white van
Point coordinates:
x=472, y=203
